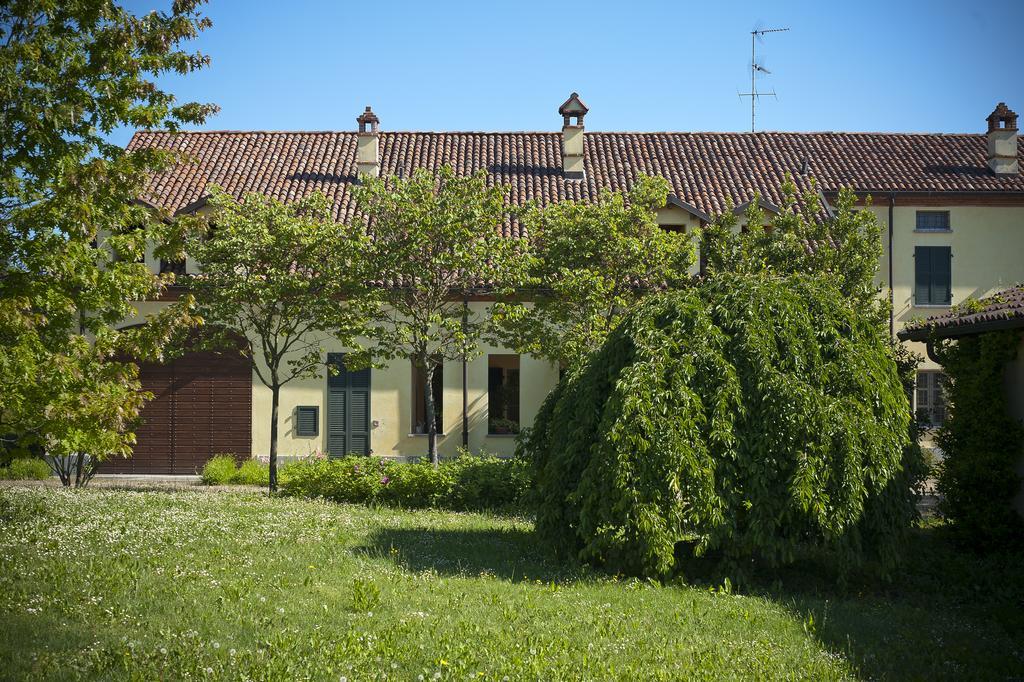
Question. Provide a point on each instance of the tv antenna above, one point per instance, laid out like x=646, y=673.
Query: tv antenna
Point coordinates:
x=757, y=67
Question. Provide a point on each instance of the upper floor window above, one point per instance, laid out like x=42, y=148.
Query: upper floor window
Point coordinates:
x=932, y=275
x=929, y=398
x=678, y=229
x=175, y=266
x=932, y=221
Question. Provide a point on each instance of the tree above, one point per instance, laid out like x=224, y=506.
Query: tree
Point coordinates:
x=751, y=416
x=437, y=238
x=279, y=279
x=70, y=73
x=591, y=264
x=845, y=246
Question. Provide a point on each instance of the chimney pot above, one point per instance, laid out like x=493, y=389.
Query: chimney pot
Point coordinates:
x=572, y=136
x=368, y=149
x=1002, y=141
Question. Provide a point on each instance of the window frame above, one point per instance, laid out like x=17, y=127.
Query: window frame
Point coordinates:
x=930, y=213
x=315, y=409
x=418, y=400
x=508, y=407
x=935, y=399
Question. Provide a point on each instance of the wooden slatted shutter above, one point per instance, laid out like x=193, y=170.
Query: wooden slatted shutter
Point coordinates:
x=922, y=275
x=307, y=421
x=348, y=409
x=941, y=275
x=933, y=281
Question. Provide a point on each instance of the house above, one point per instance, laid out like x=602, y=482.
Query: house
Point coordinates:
x=1004, y=310
x=952, y=207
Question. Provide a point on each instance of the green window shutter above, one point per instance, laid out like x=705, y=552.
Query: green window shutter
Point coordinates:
x=922, y=275
x=933, y=282
x=941, y=275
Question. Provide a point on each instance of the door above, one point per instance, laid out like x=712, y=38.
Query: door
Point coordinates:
x=348, y=409
x=201, y=407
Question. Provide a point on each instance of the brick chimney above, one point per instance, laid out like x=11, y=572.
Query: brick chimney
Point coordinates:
x=1002, y=141
x=572, y=136
x=368, y=151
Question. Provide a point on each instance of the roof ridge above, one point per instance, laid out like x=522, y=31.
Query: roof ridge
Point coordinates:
x=555, y=132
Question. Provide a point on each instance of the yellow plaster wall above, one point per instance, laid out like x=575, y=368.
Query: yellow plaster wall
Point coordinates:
x=391, y=405
x=988, y=255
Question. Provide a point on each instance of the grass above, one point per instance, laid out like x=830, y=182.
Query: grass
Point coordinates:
x=168, y=585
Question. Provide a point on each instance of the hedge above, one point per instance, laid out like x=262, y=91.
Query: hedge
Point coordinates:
x=464, y=483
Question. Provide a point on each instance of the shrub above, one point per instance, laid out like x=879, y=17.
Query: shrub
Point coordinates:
x=218, y=470
x=751, y=416
x=980, y=441
x=465, y=482
x=26, y=469
x=251, y=472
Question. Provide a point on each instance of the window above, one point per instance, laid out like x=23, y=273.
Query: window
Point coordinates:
x=307, y=421
x=175, y=266
x=932, y=221
x=502, y=394
x=932, y=275
x=419, y=399
x=678, y=229
x=930, y=401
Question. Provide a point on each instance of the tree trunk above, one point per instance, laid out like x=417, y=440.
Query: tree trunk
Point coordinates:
x=275, y=399
x=431, y=421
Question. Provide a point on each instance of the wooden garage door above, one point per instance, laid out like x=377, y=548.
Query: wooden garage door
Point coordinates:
x=201, y=406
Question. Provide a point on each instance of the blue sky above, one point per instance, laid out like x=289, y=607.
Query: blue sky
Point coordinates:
x=647, y=66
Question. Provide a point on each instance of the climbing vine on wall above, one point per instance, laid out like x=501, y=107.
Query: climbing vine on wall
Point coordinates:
x=981, y=442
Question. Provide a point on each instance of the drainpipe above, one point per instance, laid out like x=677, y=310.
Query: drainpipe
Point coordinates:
x=465, y=388
x=892, y=301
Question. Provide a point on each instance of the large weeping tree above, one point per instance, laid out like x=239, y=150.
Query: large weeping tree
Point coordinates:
x=284, y=280
x=437, y=238
x=71, y=72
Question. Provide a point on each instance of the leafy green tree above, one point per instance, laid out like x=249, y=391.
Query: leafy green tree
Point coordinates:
x=70, y=73
x=845, y=246
x=437, y=239
x=279, y=279
x=752, y=417
x=591, y=263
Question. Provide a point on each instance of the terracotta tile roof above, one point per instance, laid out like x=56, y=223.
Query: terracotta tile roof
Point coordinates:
x=705, y=170
x=1004, y=310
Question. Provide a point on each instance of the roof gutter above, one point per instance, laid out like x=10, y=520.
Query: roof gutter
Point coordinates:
x=929, y=193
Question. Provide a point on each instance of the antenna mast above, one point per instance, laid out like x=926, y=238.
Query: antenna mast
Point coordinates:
x=755, y=68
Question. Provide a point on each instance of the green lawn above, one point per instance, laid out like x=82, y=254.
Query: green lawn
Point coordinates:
x=169, y=585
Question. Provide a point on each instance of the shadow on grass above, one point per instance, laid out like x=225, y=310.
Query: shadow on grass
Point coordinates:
x=946, y=615
x=506, y=553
